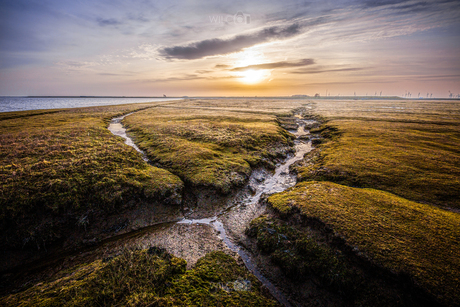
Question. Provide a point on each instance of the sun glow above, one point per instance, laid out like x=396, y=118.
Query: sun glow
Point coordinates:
x=252, y=76
x=249, y=75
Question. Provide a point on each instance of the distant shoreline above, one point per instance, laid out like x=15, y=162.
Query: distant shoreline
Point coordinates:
x=246, y=97
x=29, y=103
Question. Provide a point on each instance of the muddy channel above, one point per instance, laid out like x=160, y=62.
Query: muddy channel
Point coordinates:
x=197, y=233
x=189, y=233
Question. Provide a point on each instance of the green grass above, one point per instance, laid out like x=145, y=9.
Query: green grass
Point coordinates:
x=60, y=169
x=59, y=166
x=414, y=160
x=208, y=147
x=148, y=278
x=401, y=235
x=414, y=154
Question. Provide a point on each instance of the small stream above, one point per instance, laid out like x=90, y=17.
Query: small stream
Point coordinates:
x=231, y=223
x=117, y=128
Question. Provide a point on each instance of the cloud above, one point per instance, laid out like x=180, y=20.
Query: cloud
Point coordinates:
x=73, y=64
x=319, y=71
x=189, y=77
x=379, y=3
x=108, y=22
x=114, y=74
x=219, y=46
x=221, y=66
x=434, y=78
x=282, y=64
x=203, y=71
x=351, y=82
x=410, y=6
x=140, y=17
x=185, y=77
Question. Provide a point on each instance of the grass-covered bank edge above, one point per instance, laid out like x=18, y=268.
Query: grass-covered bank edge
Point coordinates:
x=313, y=261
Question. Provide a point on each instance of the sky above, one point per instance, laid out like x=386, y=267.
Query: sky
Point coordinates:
x=230, y=48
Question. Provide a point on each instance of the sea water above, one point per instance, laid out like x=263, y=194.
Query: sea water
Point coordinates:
x=10, y=104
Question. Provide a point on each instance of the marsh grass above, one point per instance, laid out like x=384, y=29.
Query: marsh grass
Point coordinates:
x=209, y=148
x=59, y=167
x=418, y=161
x=403, y=236
x=148, y=278
x=409, y=148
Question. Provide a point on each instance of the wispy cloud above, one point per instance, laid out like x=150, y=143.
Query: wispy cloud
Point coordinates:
x=108, y=22
x=282, y=64
x=219, y=46
x=185, y=77
x=114, y=74
x=319, y=71
x=410, y=8
x=380, y=3
x=434, y=78
x=189, y=77
x=203, y=71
